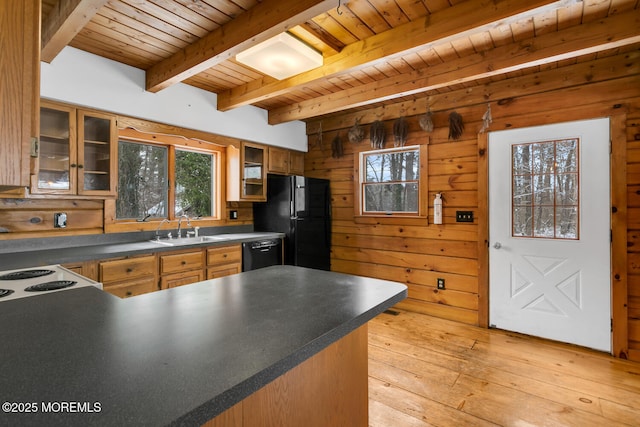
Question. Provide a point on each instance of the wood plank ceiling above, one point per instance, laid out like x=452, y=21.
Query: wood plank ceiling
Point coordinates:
x=376, y=52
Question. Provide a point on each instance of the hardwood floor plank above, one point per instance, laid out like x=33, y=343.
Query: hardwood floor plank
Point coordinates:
x=426, y=411
x=430, y=371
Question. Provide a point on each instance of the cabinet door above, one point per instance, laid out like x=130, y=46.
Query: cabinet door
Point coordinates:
x=97, y=155
x=19, y=86
x=278, y=160
x=181, y=279
x=56, y=165
x=296, y=163
x=246, y=173
x=253, y=172
x=223, y=270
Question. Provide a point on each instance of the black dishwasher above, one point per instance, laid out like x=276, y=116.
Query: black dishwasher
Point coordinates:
x=261, y=253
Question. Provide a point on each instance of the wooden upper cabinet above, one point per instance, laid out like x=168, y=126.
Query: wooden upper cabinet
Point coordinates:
x=19, y=86
x=78, y=152
x=285, y=162
x=246, y=172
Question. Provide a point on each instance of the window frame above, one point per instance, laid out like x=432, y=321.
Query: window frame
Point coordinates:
x=173, y=142
x=360, y=169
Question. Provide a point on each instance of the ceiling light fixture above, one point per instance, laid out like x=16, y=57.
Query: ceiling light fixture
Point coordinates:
x=281, y=57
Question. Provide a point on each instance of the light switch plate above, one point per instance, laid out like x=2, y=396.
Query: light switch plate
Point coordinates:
x=464, y=216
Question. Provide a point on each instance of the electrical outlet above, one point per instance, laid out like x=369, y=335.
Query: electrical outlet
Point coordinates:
x=233, y=214
x=440, y=283
x=59, y=220
x=464, y=216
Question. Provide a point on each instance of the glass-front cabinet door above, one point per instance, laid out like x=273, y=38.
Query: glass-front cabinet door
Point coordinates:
x=253, y=173
x=77, y=152
x=96, y=153
x=56, y=161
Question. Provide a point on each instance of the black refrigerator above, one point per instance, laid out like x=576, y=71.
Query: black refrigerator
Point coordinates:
x=300, y=207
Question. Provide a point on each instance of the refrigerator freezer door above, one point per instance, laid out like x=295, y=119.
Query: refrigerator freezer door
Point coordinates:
x=312, y=243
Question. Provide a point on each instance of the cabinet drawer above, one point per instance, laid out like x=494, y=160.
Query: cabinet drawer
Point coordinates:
x=224, y=255
x=122, y=269
x=133, y=288
x=181, y=262
x=223, y=270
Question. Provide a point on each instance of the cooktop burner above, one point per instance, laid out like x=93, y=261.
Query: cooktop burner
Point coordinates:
x=50, y=286
x=5, y=292
x=25, y=274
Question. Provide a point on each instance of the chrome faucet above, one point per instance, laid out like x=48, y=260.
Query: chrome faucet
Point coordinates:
x=160, y=225
x=180, y=224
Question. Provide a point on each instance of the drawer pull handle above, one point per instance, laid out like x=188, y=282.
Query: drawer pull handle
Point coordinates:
x=224, y=255
x=184, y=262
x=129, y=293
x=129, y=270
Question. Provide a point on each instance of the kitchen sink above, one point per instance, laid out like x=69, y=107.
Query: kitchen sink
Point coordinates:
x=186, y=241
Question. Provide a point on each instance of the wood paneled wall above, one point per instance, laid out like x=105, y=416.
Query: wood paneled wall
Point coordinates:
x=418, y=254
x=633, y=228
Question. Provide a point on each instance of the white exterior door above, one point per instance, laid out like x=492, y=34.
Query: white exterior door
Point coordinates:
x=549, y=228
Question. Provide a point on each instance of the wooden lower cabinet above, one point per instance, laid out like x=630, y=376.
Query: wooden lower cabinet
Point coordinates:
x=328, y=389
x=128, y=277
x=224, y=261
x=181, y=268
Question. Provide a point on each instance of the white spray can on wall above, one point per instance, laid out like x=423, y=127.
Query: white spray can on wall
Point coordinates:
x=437, y=209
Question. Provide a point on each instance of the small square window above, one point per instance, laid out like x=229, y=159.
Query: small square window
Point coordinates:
x=390, y=182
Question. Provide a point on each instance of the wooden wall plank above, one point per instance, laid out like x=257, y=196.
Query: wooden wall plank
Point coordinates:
x=419, y=253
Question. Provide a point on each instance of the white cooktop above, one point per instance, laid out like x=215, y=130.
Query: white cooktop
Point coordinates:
x=51, y=278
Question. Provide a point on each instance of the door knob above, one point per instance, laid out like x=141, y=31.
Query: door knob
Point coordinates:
x=497, y=245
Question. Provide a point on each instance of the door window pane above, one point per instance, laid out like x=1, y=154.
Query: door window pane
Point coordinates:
x=545, y=189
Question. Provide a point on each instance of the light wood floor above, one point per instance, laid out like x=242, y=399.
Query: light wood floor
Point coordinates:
x=428, y=371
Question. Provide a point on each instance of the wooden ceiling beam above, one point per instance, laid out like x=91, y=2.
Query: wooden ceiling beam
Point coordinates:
x=608, y=33
x=265, y=20
x=62, y=24
x=621, y=67
x=461, y=20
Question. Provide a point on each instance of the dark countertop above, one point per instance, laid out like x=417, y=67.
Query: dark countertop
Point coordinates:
x=68, y=254
x=174, y=357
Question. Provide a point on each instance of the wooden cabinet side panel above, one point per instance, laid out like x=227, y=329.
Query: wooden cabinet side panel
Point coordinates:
x=328, y=389
x=19, y=87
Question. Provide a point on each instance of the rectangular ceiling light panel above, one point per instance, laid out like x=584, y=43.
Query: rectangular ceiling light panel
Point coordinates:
x=281, y=57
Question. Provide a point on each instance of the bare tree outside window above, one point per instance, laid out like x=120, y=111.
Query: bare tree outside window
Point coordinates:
x=391, y=181
x=142, y=181
x=545, y=192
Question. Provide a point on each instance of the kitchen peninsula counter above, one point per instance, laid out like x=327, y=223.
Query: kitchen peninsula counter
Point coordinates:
x=180, y=356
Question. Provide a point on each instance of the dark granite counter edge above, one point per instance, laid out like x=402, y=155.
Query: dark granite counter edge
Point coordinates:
x=239, y=392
